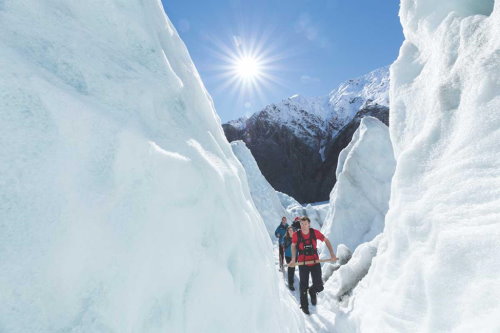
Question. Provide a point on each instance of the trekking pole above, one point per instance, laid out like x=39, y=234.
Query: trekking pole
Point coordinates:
x=311, y=262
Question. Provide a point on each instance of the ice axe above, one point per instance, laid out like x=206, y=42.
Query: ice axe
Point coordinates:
x=311, y=262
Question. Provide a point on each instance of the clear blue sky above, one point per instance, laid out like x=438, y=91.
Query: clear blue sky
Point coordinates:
x=309, y=46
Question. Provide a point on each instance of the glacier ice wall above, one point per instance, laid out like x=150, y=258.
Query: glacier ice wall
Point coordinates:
x=263, y=194
x=360, y=198
x=438, y=261
x=121, y=203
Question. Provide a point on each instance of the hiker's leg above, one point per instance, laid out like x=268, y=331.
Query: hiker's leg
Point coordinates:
x=291, y=271
x=317, y=280
x=281, y=255
x=304, y=277
x=304, y=284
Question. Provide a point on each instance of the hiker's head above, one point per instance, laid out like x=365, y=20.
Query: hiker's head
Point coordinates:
x=289, y=232
x=305, y=223
x=283, y=220
x=297, y=218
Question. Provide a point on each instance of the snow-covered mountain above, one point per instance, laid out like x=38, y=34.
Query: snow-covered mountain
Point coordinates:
x=296, y=142
x=122, y=205
x=312, y=117
x=366, y=92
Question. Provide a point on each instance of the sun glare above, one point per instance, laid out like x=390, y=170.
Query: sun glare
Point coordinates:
x=247, y=67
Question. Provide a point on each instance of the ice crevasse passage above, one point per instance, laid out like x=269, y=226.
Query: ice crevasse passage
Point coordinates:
x=118, y=191
x=438, y=260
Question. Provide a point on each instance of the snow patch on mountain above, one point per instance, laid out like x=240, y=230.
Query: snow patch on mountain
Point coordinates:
x=315, y=118
x=353, y=95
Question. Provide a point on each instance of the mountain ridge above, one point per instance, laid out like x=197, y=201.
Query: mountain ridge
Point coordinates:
x=295, y=141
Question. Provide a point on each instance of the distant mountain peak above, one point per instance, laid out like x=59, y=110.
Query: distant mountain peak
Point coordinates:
x=296, y=141
x=329, y=113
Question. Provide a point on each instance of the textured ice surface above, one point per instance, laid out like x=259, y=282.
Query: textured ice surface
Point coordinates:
x=360, y=197
x=315, y=211
x=349, y=274
x=121, y=203
x=263, y=194
x=438, y=261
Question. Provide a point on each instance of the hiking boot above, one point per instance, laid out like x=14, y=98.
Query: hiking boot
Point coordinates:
x=314, y=299
x=305, y=310
x=291, y=287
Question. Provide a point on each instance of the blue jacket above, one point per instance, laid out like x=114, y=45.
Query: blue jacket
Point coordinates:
x=288, y=247
x=280, y=232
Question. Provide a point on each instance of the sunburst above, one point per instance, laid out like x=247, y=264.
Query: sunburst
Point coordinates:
x=249, y=68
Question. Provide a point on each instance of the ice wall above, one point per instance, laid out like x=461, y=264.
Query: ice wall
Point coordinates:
x=316, y=211
x=122, y=206
x=360, y=198
x=263, y=194
x=438, y=262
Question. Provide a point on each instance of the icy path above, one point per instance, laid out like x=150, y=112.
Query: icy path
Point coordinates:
x=322, y=318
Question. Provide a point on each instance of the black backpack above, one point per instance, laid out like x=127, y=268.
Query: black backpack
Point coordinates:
x=309, y=249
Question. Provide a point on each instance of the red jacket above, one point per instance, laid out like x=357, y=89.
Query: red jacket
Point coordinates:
x=300, y=247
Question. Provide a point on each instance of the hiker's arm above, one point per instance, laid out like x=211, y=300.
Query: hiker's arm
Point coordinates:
x=330, y=248
x=294, y=250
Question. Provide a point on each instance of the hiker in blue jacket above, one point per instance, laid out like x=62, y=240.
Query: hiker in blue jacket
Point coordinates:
x=280, y=234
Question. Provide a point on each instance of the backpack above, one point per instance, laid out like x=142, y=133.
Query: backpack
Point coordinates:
x=309, y=249
x=296, y=225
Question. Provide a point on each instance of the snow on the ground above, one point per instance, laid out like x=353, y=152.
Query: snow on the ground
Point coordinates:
x=360, y=197
x=322, y=317
x=121, y=203
x=334, y=301
x=438, y=259
x=263, y=194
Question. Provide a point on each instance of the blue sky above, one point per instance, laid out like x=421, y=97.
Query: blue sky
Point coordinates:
x=307, y=47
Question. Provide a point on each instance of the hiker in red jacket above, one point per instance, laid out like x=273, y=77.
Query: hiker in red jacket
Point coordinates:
x=305, y=241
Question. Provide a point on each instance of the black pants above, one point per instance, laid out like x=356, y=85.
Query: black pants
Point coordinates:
x=291, y=272
x=317, y=282
x=282, y=253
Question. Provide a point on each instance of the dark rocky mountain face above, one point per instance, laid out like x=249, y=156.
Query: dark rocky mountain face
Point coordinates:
x=290, y=164
x=296, y=142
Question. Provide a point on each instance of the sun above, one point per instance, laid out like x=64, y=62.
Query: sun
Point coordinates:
x=248, y=67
